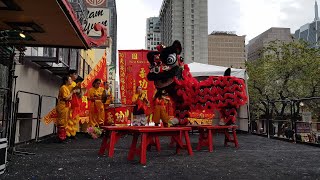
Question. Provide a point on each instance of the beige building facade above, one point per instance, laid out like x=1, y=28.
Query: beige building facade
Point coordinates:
x=256, y=44
x=226, y=49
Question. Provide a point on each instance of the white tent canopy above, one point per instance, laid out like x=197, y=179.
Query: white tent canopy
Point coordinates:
x=198, y=69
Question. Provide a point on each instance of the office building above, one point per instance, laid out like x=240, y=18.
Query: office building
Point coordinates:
x=256, y=44
x=310, y=31
x=186, y=21
x=226, y=49
x=153, y=35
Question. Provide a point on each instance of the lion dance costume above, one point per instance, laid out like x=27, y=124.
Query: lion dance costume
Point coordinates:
x=169, y=73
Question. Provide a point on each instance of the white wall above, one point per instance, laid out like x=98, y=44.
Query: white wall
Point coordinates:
x=98, y=53
x=243, y=118
x=35, y=80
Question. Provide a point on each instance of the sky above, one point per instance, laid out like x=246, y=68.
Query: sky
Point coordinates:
x=245, y=17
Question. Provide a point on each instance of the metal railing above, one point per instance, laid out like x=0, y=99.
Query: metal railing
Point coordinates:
x=12, y=140
x=299, y=122
x=13, y=128
x=5, y=110
x=38, y=122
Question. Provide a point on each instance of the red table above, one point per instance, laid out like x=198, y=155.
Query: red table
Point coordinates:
x=206, y=131
x=205, y=135
x=116, y=132
x=149, y=133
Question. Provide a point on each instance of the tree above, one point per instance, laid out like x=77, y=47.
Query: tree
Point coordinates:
x=284, y=71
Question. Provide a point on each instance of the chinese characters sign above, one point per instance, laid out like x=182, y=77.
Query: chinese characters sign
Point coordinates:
x=133, y=70
x=303, y=127
x=117, y=115
x=111, y=78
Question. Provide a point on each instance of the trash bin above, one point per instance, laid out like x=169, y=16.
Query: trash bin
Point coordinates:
x=3, y=154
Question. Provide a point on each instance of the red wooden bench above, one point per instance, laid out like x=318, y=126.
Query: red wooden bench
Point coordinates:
x=206, y=140
x=206, y=135
x=149, y=133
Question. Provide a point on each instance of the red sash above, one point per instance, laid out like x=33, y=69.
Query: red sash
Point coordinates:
x=75, y=105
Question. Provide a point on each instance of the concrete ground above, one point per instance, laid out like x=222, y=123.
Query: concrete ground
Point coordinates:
x=257, y=158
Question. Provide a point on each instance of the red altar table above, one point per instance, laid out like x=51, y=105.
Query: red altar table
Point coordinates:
x=149, y=136
x=114, y=133
x=149, y=133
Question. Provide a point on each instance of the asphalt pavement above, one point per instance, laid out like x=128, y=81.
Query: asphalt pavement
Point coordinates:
x=257, y=158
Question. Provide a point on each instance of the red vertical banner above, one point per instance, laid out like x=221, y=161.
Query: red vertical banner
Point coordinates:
x=100, y=72
x=133, y=69
x=122, y=76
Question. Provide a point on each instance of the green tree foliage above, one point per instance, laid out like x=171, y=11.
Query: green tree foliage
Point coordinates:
x=284, y=71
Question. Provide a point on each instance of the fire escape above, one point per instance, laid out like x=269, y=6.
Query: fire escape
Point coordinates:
x=60, y=60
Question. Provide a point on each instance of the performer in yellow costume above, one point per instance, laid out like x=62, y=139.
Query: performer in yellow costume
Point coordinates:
x=63, y=107
x=140, y=101
x=73, y=122
x=107, y=97
x=159, y=109
x=96, y=109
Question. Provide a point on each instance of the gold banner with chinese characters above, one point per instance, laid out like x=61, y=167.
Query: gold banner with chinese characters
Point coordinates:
x=117, y=116
x=201, y=118
x=195, y=121
x=133, y=70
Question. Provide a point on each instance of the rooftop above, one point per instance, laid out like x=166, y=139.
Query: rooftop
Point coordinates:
x=226, y=33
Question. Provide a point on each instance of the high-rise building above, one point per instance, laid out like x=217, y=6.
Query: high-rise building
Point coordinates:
x=186, y=21
x=256, y=44
x=153, y=35
x=226, y=49
x=310, y=32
